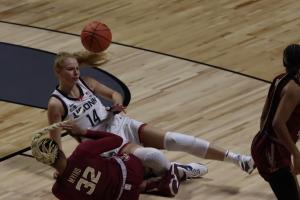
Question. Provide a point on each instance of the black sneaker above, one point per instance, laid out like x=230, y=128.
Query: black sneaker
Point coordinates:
x=167, y=185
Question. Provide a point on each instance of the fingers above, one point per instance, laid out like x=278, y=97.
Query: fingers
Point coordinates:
x=117, y=108
x=72, y=128
x=67, y=126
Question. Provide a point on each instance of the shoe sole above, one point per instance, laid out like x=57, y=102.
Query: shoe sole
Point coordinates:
x=174, y=184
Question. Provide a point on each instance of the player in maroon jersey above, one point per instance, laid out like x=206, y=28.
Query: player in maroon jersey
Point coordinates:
x=275, y=143
x=86, y=175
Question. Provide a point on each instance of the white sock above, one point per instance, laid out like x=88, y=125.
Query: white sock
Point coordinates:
x=232, y=157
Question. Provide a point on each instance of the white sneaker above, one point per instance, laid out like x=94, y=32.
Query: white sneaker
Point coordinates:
x=192, y=170
x=246, y=163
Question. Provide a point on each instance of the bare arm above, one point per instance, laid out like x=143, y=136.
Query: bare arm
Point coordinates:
x=55, y=113
x=102, y=142
x=289, y=100
x=104, y=91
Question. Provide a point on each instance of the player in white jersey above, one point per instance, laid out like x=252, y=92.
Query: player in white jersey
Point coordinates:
x=95, y=115
x=93, y=110
x=73, y=92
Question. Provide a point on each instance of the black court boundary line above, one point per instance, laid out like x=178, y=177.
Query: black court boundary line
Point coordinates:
x=21, y=152
x=149, y=50
x=130, y=46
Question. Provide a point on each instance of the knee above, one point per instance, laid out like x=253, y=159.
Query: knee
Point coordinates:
x=173, y=141
x=187, y=143
x=152, y=158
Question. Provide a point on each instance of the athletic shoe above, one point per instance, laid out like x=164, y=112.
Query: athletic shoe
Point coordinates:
x=246, y=163
x=192, y=170
x=166, y=186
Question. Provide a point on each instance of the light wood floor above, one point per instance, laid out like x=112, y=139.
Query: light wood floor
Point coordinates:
x=245, y=35
x=174, y=94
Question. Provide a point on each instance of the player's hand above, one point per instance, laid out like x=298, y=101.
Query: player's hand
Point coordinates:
x=73, y=129
x=116, y=108
x=55, y=174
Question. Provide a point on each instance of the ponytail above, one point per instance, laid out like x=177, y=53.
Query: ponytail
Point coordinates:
x=83, y=57
x=89, y=58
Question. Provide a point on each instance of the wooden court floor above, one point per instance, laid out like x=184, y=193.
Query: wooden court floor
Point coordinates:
x=178, y=93
x=171, y=93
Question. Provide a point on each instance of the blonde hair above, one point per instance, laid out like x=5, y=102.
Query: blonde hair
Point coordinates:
x=82, y=57
x=44, y=150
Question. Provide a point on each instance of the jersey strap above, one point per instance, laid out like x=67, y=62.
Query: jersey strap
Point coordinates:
x=124, y=175
x=274, y=102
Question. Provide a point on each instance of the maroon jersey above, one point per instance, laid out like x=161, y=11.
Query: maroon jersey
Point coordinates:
x=89, y=176
x=267, y=151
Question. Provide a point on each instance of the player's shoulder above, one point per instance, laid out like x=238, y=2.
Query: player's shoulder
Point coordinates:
x=54, y=101
x=56, y=107
x=292, y=90
x=88, y=81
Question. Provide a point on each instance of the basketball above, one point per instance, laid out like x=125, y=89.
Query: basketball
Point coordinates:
x=96, y=37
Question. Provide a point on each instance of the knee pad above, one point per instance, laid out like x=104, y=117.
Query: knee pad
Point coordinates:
x=186, y=143
x=153, y=158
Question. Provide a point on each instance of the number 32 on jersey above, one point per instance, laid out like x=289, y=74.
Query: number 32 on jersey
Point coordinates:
x=89, y=179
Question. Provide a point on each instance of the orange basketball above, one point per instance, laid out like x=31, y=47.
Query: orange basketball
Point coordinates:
x=95, y=37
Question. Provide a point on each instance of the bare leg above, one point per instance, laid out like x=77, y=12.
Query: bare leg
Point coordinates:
x=215, y=153
x=153, y=137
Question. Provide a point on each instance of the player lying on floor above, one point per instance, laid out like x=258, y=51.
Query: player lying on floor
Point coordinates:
x=75, y=94
x=151, y=158
x=85, y=175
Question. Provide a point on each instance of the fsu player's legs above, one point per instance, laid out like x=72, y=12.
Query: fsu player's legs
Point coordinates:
x=165, y=184
x=135, y=177
x=284, y=184
x=274, y=165
x=151, y=158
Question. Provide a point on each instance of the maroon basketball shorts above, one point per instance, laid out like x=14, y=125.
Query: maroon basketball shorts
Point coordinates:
x=269, y=155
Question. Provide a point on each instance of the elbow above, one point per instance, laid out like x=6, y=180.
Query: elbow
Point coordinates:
x=120, y=140
x=117, y=97
x=117, y=140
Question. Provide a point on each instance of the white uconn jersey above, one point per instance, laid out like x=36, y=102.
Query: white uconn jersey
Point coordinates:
x=93, y=113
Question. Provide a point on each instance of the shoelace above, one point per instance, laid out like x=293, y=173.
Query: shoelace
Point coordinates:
x=194, y=171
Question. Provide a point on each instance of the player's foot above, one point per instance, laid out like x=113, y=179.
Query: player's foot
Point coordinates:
x=192, y=170
x=172, y=181
x=167, y=186
x=246, y=163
